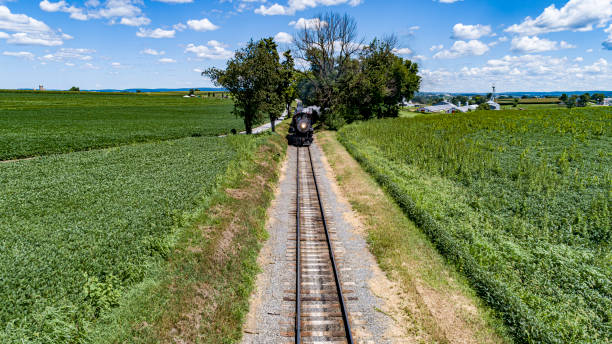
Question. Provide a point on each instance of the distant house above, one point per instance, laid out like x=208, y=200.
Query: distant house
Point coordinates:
x=607, y=102
x=439, y=107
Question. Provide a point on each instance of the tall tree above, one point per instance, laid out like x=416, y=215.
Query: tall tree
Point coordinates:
x=252, y=77
x=381, y=81
x=328, y=43
x=289, y=80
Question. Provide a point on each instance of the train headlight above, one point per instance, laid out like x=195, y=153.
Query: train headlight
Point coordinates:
x=303, y=126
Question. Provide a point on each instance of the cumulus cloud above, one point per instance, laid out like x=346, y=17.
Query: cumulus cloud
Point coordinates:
x=576, y=15
x=20, y=22
x=294, y=6
x=520, y=73
x=304, y=23
x=283, y=37
x=607, y=44
x=125, y=12
x=213, y=50
x=21, y=54
x=201, y=25
x=167, y=60
x=526, y=44
x=402, y=51
x=463, y=48
x=64, y=54
x=27, y=30
x=152, y=52
x=156, y=33
x=465, y=32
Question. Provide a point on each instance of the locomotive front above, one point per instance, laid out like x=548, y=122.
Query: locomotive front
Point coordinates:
x=301, y=131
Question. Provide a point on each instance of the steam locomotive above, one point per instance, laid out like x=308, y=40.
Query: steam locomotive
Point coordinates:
x=301, y=131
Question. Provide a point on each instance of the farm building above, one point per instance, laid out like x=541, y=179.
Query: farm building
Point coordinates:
x=439, y=107
x=467, y=108
x=494, y=105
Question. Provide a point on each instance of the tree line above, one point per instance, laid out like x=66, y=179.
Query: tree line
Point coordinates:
x=347, y=79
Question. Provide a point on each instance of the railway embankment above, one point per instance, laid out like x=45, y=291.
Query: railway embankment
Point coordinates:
x=202, y=295
x=427, y=298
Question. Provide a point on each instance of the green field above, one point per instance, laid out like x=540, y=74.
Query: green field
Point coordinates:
x=519, y=201
x=40, y=123
x=78, y=229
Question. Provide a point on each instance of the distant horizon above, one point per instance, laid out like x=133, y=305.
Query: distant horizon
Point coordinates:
x=211, y=89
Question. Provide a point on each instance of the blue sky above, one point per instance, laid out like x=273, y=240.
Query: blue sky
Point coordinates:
x=461, y=45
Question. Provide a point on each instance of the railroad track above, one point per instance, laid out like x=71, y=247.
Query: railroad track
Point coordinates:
x=320, y=312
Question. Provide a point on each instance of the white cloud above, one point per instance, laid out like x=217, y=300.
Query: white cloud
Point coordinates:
x=125, y=12
x=116, y=65
x=157, y=33
x=463, y=48
x=304, y=23
x=135, y=21
x=520, y=73
x=283, y=37
x=300, y=5
x=579, y=59
x=175, y=1
x=179, y=27
x=23, y=38
x=465, y=32
x=576, y=15
x=449, y=1
x=526, y=44
x=62, y=6
x=70, y=54
x=21, y=54
x=167, y=60
x=153, y=52
x=20, y=22
x=201, y=25
x=607, y=44
x=213, y=50
x=436, y=47
x=402, y=51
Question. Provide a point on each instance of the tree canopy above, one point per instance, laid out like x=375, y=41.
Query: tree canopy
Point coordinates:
x=257, y=81
x=348, y=79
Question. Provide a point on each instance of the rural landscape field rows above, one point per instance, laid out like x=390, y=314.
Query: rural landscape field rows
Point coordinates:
x=83, y=226
x=519, y=201
x=38, y=124
x=305, y=171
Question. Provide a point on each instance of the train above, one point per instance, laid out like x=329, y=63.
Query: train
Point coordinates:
x=301, y=131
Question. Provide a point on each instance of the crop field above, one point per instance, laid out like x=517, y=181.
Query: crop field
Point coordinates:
x=35, y=123
x=78, y=229
x=518, y=201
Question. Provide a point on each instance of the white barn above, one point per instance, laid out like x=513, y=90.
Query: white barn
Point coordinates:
x=439, y=107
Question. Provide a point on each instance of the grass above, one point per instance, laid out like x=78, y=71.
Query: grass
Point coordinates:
x=42, y=123
x=519, y=202
x=435, y=296
x=78, y=230
x=202, y=294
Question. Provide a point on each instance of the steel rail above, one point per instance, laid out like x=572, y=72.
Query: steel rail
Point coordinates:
x=345, y=319
x=298, y=272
